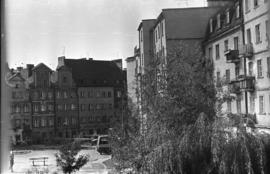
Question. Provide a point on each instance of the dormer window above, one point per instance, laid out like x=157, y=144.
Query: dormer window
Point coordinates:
x=237, y=11
x=227, y=16
x=218, y=21
x=211, y=25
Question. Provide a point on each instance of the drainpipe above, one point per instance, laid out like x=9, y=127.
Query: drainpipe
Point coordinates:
x=245, y=68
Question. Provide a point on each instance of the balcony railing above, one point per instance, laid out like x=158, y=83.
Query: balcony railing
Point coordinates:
x=246, y=50
x=232, y=56
x=242, y=83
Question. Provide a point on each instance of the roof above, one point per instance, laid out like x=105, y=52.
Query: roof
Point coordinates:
x=41, y=65
x=186, y=23
x=129, y=59
x=144, y=21
x=94, y=72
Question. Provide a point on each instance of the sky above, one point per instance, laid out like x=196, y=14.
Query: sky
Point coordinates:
x=42, y=30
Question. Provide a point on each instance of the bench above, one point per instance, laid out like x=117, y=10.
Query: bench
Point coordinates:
x=41, y=159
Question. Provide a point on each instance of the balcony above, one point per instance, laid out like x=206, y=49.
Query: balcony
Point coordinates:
x=232, y=56
x=246, y=50
x=242, y=83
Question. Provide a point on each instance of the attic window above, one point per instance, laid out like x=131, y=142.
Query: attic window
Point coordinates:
x=227, y=16
x=211, y=25
x=218, y=21
x=237, y=12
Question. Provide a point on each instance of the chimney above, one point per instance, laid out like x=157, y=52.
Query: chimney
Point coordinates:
x=29, y=69
x=61, y=61
x=219, y=3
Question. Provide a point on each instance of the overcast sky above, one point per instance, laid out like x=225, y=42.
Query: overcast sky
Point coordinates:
x=41, y=30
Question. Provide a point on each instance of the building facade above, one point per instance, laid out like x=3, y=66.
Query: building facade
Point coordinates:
x=256, y=28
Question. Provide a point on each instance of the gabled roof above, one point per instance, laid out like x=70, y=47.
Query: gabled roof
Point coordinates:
x=16, y=75
x=94, y=72
x=186, y=23
x=41, y=65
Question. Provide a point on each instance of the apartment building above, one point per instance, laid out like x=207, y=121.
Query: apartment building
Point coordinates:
x=256, y=25
x=101, y=88
x=223, y=39
x=42, y=103
x=66, y=104
x=20, y=111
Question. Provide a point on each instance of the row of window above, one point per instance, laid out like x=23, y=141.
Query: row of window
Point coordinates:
x=228, y=15
x=262, y=105
x=65, y=94
x=250, y=71
x=226, y=47
x=97, y=94
x=95, y=118
x=258, y=36
x=43, y=95
x=43, y=107
x=66, y=121
x=255, y=3
x=19, y=123
x=159, y=32
x=43, y=122
x=20, y=107
x=20, y=95
x=99, y=106
x=66, y=107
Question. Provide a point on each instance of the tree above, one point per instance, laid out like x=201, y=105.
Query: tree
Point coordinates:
x=68, y=160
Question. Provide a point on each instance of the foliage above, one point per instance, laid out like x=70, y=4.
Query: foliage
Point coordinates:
x=68, y=158
x=184, y=133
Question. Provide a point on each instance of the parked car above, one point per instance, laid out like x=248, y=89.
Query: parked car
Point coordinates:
x=103, y=144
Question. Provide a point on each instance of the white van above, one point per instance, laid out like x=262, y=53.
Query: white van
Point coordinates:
x=103, y=144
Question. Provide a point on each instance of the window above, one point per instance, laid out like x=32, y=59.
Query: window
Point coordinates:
x=237, y=71
x=36, y=107
x=65, y=94
x=259, y=68
x=141, y=35
x=252, y=104
x=64, y=79
x=229, y=106
x=228, y=76
x=238, y=105
x=59, y=107
x=218, y=79
x=162, y=29
x=82, y=107
x=43, y=122
x=66, y=122
x=211, y=25
x=82, y=94
x=26, y=108
x=43, y=107
x=249, y=40
x=217, y=52
x=256, y=3
x=268, y=67
x=261, y=105
x=103, y=94
x=50, y=95
x=50, y=107
x=73, y=107
x=50, y=121
x=210, y=52
x=90, y=94
x=247, y=5
x=58, y=94
x=36, y=122
x=73, y=121
x=226, y=45
x=267, y=30
x=158, y=31
x=17, y=123
x=258, y=34
x=250, y=68
x=118, y=94
x=235, y=43
x=237, y=12
x=218, y=21
x=228, y=16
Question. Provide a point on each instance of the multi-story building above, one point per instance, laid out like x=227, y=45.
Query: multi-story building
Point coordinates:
x=256, y=40
x=237, y=42
x=100, y=89
x=20, y=113
x=42, y=101
x=223, y=39
x=66, y=104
